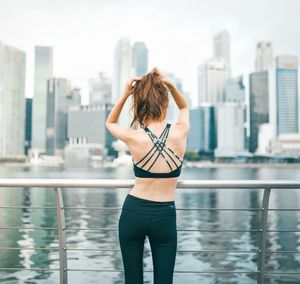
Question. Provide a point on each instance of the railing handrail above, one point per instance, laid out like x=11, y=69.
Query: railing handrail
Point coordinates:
x=58, y=184
x=127, y=183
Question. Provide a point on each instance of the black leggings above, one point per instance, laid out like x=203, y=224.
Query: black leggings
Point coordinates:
x=157, y=220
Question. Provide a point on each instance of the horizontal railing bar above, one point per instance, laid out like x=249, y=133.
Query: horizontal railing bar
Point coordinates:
x=94, y=250
x=283, y=209
x=120, y=208
x=175, y=271
x=27, y=228
x=281, y=272
x=22, y=268
x=282, y=251
x=185, y=251
x=192, y=251
x=113, y=229
x=121, y=270
x=27, y=248
x=128, y=183
x=26, y=207
x=284, y=231
x=210, y=209
x=180, y=230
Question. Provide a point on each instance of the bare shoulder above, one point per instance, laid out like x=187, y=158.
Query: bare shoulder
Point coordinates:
x=135, y=136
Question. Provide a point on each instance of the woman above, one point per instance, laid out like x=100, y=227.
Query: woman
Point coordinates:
x=157, y=150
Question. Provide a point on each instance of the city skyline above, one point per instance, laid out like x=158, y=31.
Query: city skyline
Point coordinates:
x=82, y=48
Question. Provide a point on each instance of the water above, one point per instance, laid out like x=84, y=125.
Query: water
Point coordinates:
x=221, y=198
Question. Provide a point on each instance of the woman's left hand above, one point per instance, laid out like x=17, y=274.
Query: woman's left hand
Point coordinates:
x=130, y=84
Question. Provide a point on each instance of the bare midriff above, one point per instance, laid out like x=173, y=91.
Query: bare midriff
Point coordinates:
x=158, y=189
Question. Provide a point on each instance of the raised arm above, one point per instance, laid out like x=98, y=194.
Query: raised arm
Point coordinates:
x=184, y=117
x=184, y=113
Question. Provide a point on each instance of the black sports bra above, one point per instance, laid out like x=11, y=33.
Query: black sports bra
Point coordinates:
x=160, y=145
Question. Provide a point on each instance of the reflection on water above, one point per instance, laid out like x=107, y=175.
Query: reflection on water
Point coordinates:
x=191, y=240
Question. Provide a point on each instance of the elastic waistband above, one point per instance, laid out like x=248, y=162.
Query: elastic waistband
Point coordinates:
x=150, y=201
x=148, y=207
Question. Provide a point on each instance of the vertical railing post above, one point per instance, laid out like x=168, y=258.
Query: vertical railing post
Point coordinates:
x=61, y=225
x=263, y=236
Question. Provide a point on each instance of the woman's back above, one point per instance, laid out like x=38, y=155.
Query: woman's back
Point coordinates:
x=169, y=157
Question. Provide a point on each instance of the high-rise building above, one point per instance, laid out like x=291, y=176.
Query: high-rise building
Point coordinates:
x=100, y=89
x=259, y=105
x=212, y=76
x=57, y=115
x=43, y=71
x=231, y=122
x=264, y=56
x=287, y=102
x=123, y=71
x=140, y=58
x=222, y=45
x=234, y=90
x=28, y=120
x=202, y=136
x=12, y=101
x=128, y=61
x=230, y=129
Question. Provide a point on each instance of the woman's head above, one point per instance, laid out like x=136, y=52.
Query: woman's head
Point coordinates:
x=149, y=99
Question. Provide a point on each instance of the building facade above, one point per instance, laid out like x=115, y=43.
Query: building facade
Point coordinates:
x=43, y=70
x=287, y=101
x=264, y=56
x=12, y=101
x=140, y=59
x=57, y=115
x=212, y=76
x=259, y=105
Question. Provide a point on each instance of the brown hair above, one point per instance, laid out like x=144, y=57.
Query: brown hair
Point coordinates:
x=149, y=99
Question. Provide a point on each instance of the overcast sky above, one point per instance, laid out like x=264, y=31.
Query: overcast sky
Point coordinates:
x=178, y=34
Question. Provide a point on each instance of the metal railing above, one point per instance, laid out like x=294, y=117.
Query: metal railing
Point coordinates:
x=59, y=184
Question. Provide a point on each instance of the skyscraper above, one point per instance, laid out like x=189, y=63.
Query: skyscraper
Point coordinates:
x=287, y=104
x=264, y=56
x=212, y=76
x=230, y=129
x=234, y=90
x=231, y=124
x=57, y=110
x=203, y=132
x=28, y=120
x=259, y=105
x=222, y=45
x=12, y=101
x=122, y=67
x=123, y=71
x=43, y=71
x=139, y=58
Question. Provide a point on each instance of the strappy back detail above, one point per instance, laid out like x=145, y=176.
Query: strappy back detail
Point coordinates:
x=160, y=147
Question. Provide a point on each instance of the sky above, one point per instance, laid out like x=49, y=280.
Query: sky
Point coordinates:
x=178, y=34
